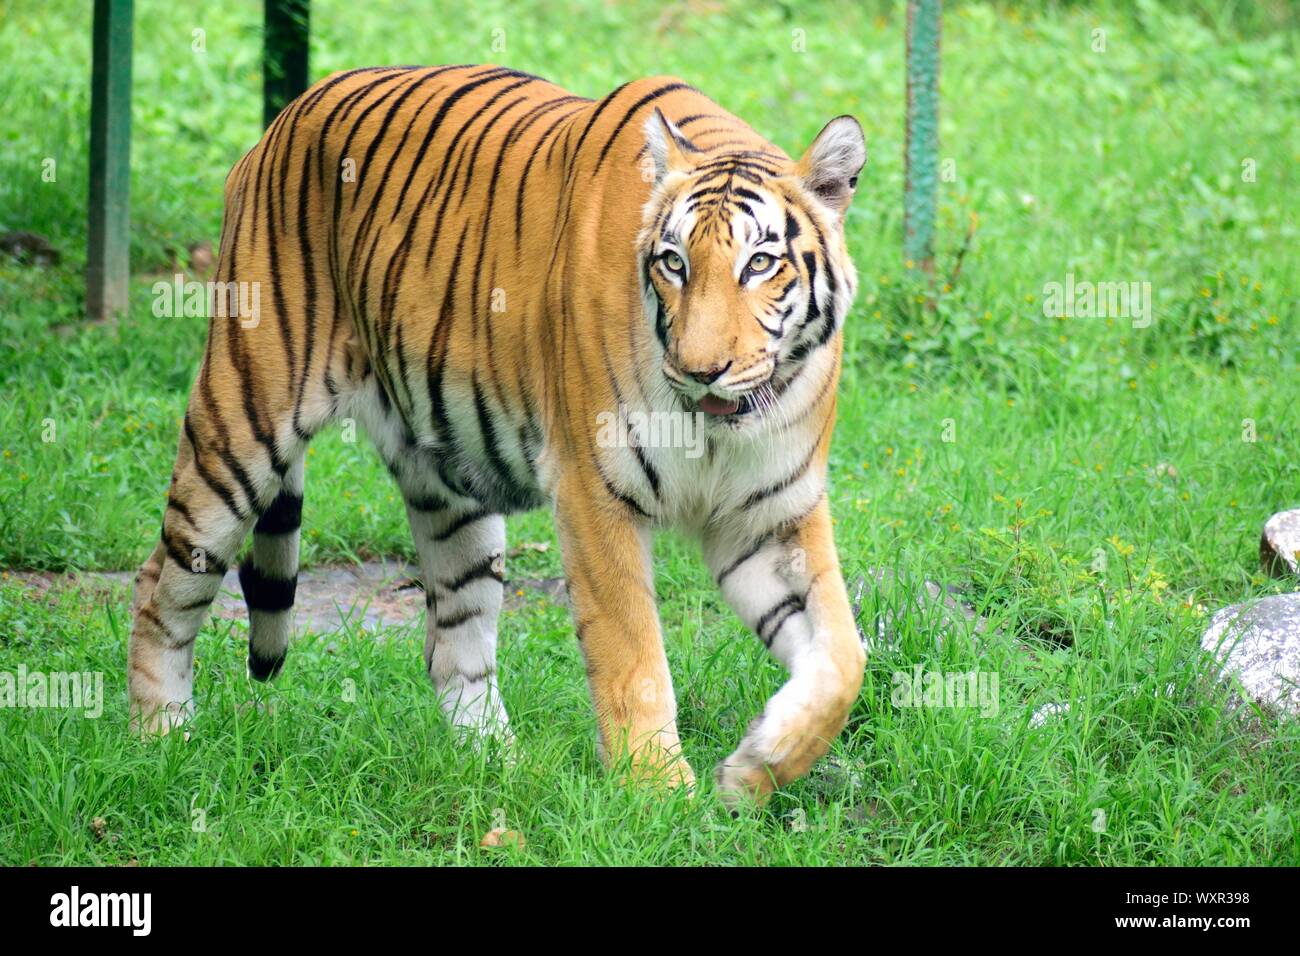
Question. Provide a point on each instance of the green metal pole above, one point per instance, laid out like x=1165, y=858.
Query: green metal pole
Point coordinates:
x=919, y=199
x=284, y=54
x=108, y=241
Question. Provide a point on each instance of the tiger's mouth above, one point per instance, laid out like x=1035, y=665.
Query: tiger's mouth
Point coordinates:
x=728, y=406
x=725, y=408
x=711, y=404
x=708, y=402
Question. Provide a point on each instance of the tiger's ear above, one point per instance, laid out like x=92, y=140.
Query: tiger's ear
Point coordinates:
x=666, y=146
x=829, y=169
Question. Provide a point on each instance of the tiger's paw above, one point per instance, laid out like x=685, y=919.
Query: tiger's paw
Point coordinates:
x=482, y=725
x=154, y=720
x=495, y=741
x=742, y=781
x=677, y=775
x=657, y=764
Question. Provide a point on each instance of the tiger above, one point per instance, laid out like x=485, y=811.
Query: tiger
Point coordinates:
x=501, y=282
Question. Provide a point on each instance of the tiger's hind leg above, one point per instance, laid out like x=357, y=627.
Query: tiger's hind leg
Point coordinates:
x=462, y=563
x=461, y=548
x=230, y=478
x=215, y=496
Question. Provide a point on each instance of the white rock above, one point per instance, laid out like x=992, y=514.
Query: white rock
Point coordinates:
x=1047, y=712
x=1258, y=644
x=1279, y=545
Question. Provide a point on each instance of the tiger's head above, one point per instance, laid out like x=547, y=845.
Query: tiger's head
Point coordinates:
x=744, y=270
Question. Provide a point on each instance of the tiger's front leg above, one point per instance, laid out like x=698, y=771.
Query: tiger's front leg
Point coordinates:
x=611, y=588
x=787, y=588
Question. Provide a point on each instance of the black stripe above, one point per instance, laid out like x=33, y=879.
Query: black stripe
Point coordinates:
x=195, y=604
x=435, y=186
x=827, y=328
x=234, y=348
x=523, y=176
x=313, y=98
x=225, y=494
x=235, y=468
x=478, y=144
x=651, y=473
x=383, y=130
x=764, y=493
x=448, y=452
x=595, y=115
x=309, y=293
x=661, y=322
x=627, y=117
x=284, y=515
x=181, y=509
x=550, y=150
x=149, y=613
x=456, y=620
x=491, y=448
x=363, y=230
x=831, y=284
x=627, y=500
x=426, y=504
x=648, y=469
x=814, y=309
x=770, y=623
x=525, y=122
x=447, y=104
x=757, y=547
x=484, y=569
x=748, y=158
x=397, y=264
x=263, y=668
x=432, y=190
x=266, y=594
x=405, y=83
x=182, y=554
x=468, y=518
x=399, y=349
x=249, y=391
x=479, y=675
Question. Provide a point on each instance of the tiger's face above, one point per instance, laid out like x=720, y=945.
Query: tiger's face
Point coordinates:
x=744, y=268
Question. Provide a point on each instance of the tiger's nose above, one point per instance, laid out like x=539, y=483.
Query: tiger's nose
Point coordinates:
x=708, y=375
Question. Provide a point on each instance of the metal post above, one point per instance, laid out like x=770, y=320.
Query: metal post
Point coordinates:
x=108, y=242
x=919, y=199
x=284, y=55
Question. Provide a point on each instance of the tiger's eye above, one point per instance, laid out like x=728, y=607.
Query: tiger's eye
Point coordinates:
x=674, y=262
x=760, y=263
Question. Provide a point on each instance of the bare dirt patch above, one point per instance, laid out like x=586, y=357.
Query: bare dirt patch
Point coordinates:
x=371, y=595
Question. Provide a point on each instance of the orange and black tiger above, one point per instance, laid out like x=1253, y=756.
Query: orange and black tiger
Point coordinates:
x=628, y=309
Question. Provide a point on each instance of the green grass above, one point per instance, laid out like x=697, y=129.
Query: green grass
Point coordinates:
x=1074, y=439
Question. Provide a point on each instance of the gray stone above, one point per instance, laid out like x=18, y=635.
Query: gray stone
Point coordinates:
x=1258, y=645
x=1279, y=545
